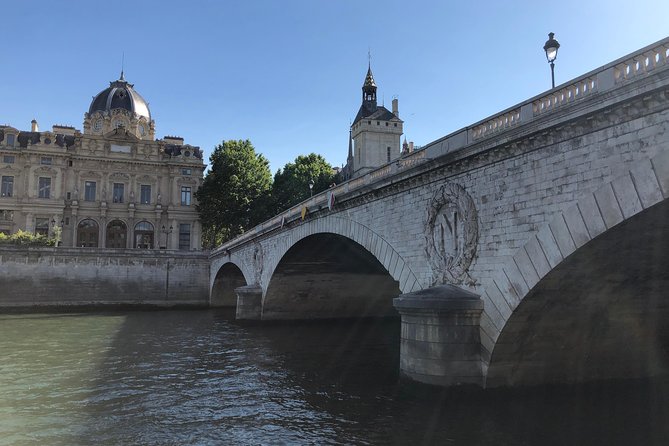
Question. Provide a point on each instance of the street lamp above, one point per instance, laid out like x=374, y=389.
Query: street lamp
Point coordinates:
x=311, y=187
x=551, y=49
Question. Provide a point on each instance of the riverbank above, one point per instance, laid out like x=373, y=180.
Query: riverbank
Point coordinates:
x=48, y=278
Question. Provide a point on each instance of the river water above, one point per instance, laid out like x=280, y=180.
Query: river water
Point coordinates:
x=201, y=378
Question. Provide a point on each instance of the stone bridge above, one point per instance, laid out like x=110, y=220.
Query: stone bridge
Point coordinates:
x=530, y=247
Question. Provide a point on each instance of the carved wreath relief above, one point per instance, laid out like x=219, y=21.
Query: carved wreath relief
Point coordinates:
x=452, y=234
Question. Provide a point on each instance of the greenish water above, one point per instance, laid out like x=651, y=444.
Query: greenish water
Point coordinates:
x=200, y=378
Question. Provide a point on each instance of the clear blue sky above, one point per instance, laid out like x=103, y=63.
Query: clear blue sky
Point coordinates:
x=288, y=74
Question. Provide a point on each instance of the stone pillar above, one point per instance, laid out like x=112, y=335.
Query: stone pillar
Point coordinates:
x=440, y=341
x=249, y=302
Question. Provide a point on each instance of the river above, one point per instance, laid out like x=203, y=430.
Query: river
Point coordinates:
x=201, y=378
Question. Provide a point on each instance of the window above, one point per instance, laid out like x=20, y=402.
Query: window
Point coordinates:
x=69, y=163
x=144, y=235
x=388, y=153
x=118, y=192
x=87, y=233
x=7, y=187
x=6, y=215
x=145, y=194
x=184, y=236
x=386, y=124
x=9, y=159
x=185, y=171
x=42, y=226
x=89, y=190
x=185, y=195
x=10, y=140
x=378, y=123
x=395, y=124
x=44, y=187
x=46, y=160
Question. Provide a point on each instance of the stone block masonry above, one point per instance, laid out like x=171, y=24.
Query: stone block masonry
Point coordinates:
x=66, y=277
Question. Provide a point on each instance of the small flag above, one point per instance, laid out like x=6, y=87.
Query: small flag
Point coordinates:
x=331, y=200
x=304, y=212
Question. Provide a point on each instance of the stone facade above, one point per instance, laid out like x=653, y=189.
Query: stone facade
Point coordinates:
x=74, y=277
x=114, y=185
x=502, y=207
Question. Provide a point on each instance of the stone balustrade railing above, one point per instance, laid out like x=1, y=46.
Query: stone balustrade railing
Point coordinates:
x=625, y=69
x=561, y=96
x=496, y=124
x=642, y=62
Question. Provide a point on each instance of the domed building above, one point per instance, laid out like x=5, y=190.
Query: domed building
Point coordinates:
x=111, y=186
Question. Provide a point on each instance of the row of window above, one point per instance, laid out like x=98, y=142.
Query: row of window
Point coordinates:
x=43, y=187
x=90, y=187
x=144, y=234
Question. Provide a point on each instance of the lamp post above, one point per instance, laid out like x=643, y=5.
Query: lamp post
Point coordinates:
x=167, y=233
x=311, y=187
x=551, y=48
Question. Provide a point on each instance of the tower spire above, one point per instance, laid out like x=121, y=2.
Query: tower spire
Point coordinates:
x=122, y=78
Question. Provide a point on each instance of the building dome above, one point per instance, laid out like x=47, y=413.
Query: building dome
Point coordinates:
x=120, y=94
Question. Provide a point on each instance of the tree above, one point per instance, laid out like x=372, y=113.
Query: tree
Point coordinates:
x=235, y=193
x=291, y=185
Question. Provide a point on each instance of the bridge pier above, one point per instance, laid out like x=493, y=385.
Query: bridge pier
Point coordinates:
x=440, y=340
x=249, y=302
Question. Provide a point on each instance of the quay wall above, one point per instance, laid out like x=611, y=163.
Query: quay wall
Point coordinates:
x=94, y=277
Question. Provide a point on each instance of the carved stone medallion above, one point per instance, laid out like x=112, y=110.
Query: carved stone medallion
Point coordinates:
x=451, y=234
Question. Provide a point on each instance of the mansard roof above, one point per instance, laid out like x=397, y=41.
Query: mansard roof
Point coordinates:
x=379, y=114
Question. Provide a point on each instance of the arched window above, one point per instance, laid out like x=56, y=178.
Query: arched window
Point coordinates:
x=117, y=233
x=87, y=233
x=144, y=235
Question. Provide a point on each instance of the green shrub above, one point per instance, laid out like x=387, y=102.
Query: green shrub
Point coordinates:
x=21, y=237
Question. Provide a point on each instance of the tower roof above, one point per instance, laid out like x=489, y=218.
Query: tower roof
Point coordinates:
x=369, y=79
x=120, y=94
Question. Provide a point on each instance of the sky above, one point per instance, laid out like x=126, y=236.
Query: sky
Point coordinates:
x=287, y=74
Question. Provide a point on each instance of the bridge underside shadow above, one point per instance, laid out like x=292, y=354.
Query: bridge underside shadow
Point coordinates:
x=603, y=313
x=227, y=279
x=329, y=276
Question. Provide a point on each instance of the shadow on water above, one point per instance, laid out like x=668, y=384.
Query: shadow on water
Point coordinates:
x=199, y=377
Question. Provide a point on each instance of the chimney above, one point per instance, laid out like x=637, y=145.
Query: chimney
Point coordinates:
x=33, y=126
x=395, y=108
x=410, y=146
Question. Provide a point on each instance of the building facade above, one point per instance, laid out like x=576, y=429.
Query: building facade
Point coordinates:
x=113, y=185
x=374, y=137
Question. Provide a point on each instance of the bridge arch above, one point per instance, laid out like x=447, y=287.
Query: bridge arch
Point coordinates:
x=372, y=242
x=365, y=271
x=583, y=299
x=222, y=292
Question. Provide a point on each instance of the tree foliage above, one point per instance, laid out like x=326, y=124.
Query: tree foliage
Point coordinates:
x=235, y=193
x=291, y=184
